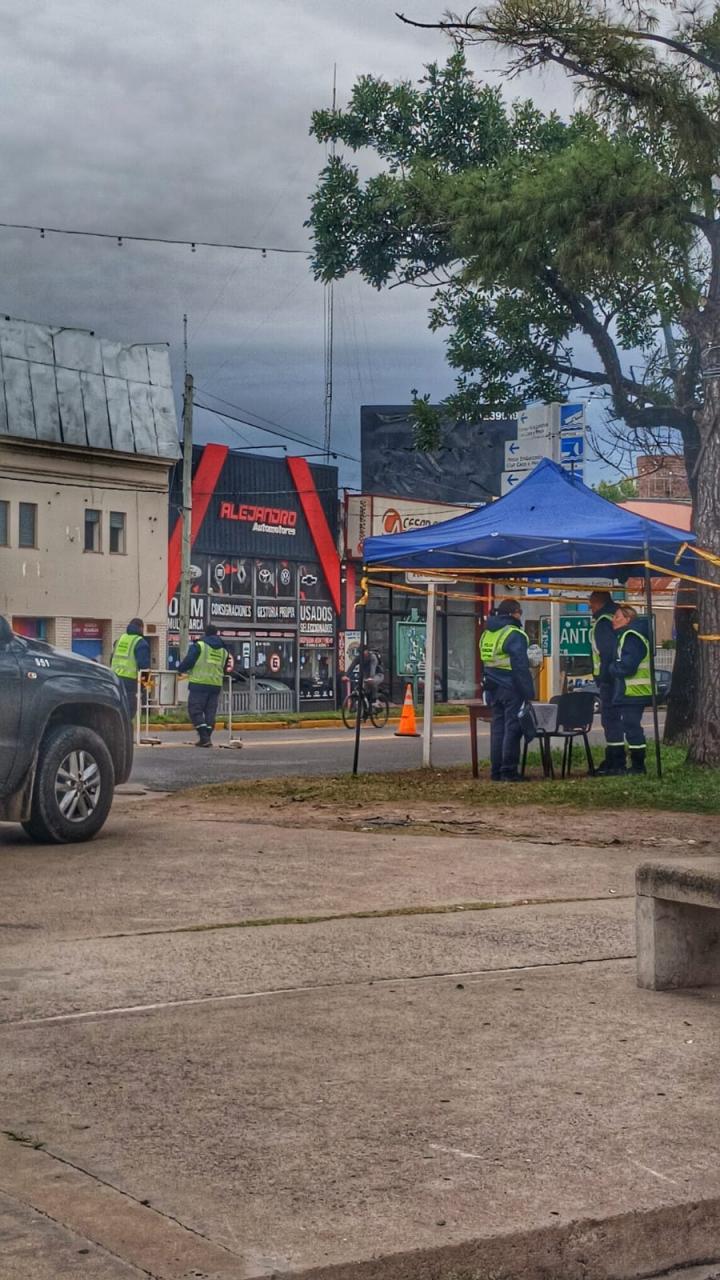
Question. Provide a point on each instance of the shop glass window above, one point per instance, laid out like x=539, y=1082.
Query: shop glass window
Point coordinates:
x=462, y=657
x=27, y=524
x=92, y=529
x=275, y=660
x=317, y=673
x=117, y=533
x=4, y=524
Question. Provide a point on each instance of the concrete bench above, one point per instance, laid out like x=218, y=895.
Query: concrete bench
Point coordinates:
x=678, y=923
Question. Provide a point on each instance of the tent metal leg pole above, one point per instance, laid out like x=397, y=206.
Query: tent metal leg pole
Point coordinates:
x=429, y=691
x=358, y=717
x=653, y=681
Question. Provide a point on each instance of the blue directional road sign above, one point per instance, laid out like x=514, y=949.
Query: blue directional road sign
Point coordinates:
x=572, y=448
x=572, y=415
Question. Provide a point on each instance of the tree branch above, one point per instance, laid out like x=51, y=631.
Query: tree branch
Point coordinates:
x=625, y=391
x=627, y=33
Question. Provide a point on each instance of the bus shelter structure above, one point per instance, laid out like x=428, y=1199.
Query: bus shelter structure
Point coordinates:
x=552, y=527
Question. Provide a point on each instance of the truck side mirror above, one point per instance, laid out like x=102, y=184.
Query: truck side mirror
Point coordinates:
x=6, y=633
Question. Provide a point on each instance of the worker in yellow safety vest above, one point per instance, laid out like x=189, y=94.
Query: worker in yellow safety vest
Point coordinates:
x=205, y=663
x=632, y=675
x=131, y=656
x=508, y=683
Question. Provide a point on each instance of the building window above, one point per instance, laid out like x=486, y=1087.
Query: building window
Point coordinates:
x=117, y=533
x=27, y=524
x=4, y=524
x=92, y=530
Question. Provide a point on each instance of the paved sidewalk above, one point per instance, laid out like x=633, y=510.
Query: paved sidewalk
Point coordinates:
x=205, y=1077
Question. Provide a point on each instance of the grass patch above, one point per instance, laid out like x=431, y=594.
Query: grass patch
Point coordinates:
x=687, y=788
x=178, y=715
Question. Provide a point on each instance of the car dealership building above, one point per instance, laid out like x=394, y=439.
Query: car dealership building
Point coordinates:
x=265, y=566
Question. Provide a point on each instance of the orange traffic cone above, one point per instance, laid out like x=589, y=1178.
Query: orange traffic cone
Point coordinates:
x=406, y=728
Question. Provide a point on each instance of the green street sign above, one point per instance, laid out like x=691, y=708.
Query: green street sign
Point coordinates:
x=574, y=635
x=410, y=646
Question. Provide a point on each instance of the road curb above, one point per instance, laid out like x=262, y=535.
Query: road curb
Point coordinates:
x=268, y=726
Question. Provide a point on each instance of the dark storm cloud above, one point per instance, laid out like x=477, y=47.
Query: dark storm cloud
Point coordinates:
x=191, y=120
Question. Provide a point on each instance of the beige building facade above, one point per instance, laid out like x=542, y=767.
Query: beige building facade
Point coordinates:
x=88, y=435
x=83, y=546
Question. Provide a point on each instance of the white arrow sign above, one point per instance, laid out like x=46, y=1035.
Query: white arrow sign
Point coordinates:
x=535, y=423
x=523, y=455
x=510, y=480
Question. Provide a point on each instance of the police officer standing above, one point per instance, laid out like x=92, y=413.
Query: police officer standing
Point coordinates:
x=633, y=679
x=130, y=656
x=206, y=661
x=508, y=683
x=603, y=644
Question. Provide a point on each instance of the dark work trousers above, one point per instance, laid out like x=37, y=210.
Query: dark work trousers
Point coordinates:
x=611, y=718
x=130, y=690
x=505, y=732
x=202, y=707
x=632, y=714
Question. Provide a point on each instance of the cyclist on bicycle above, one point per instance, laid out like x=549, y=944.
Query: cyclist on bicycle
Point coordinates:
x=372, y=672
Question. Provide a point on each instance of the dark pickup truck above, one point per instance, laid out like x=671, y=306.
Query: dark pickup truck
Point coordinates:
x=65, y=740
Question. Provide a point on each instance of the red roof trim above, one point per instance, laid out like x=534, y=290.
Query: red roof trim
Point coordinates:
x=319, y=528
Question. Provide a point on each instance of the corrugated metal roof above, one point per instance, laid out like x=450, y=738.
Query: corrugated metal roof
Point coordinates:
x=66, y=386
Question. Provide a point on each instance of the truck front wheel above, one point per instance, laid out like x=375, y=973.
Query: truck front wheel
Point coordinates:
x=74, y=786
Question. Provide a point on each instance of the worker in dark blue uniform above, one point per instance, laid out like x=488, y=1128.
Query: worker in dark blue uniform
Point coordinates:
x=603, y=643
x=508, y=684
x=206, y=663
x=632, y=675
x=131, y=656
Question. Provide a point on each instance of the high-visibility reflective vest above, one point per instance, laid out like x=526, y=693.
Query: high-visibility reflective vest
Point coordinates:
x=639, y=685
x=210, y=666
x=123, y=661
x=491, y=647
x=596, y=664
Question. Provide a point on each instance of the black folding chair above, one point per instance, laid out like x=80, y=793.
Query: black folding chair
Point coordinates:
x=575, y=715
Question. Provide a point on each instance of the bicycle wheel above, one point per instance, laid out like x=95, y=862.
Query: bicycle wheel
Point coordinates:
x=379, y=711
x=349, y=710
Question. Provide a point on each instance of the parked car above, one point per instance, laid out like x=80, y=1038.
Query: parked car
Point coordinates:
x=65, y=739
x=263, y=684
x=663, y=680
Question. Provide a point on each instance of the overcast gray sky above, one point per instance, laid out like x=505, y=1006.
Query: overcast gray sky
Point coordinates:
x=185, y=119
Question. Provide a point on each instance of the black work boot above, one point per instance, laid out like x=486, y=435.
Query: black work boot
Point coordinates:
x=607, y=765
x=613, y=766
x=637, y=760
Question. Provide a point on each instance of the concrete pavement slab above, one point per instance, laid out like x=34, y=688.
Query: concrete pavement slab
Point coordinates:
x=169, y=867
x=34, y=1247
x=71, y=977
x=356, y=1124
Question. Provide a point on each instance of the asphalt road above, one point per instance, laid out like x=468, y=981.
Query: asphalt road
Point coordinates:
x=176, y=763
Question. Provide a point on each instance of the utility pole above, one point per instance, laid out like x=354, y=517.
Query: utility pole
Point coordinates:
x=184, y=610
x=329, y=327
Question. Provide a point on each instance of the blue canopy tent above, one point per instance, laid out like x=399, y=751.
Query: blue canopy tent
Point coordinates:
x=551, y=524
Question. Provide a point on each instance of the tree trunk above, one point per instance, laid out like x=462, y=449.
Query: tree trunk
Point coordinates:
x=683, y=700
x=705, y=733
x=682, y=703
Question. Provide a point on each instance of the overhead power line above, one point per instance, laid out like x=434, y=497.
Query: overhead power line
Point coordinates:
x=121, y=237
x=282, y=432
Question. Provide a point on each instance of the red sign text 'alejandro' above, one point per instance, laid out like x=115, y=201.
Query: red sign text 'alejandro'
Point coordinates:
x=258, y=515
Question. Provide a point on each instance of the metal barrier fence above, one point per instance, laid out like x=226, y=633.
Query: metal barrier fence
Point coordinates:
x=250, y=699
x=156, y=691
